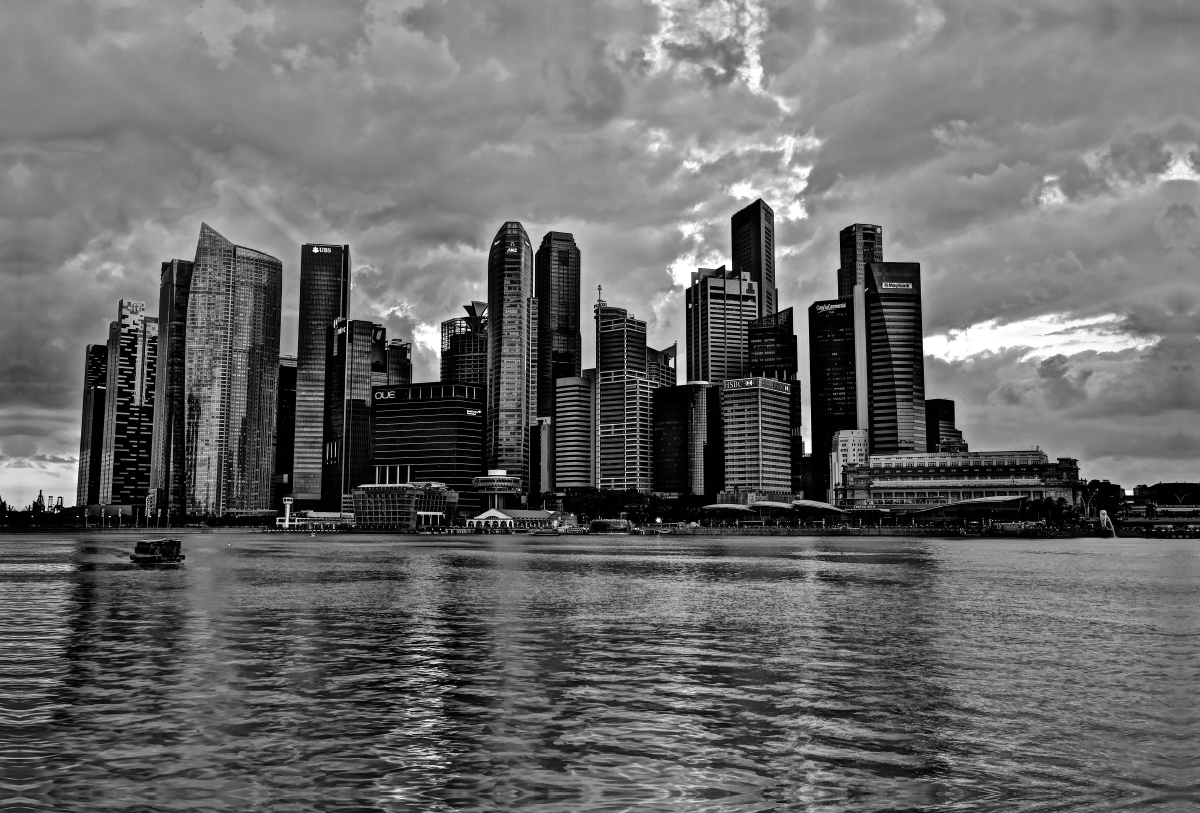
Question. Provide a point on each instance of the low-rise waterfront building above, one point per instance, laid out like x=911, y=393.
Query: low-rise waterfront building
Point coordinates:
x=404, y=506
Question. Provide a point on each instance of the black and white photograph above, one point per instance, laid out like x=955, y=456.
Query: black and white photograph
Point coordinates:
x=688, y=406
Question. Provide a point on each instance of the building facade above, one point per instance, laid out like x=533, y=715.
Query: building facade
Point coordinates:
x=720, y=307
x=512, y=352
x=860, y=244
x=231, y=374
x=575, y=431
x=771, y=353
x=915, y=481
x=91, y=433
x=757, y=413
x=689, y=450
x=404, y=506
x=324, y=297
x=851, y=447
x=896, y=358
x=941, y=435
x=399, y=363
x=285, y=432
x=167, y=486
x=357, y=362
x=430, y=432
x=129, y=406
x=464, y=347
x=753, y=236
x=560, y=342
x=833, y=380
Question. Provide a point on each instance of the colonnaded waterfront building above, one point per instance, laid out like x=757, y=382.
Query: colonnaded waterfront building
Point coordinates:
x=231, y=372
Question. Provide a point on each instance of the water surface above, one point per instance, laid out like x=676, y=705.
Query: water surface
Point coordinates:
x=286, y=673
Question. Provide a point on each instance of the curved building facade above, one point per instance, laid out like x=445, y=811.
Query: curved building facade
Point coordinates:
x=512, y=356
x=231, y=371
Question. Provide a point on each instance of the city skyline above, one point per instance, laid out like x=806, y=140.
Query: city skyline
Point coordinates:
x=1057, y=221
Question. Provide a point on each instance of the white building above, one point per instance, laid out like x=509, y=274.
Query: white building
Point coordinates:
x=758, y=453
x=849, y=446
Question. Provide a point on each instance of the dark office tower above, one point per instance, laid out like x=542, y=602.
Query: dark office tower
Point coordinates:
x=129, y=406
x=324, y=297
x=720, y=306
x=896, y=358
x=464, y=346
x=660, y=366
x=833, y=380
x=357, y=359
x=560, y=344
x=429, y=432
x=772, y=354
x=231, y=372
x=512, y=320
x=575, y=431
x=91, y=435
x=753, y=231
x=399, y=363
x=167, y=485
x=861, y=243
x=624, y=397
x=285, y=432
x=941, y=435
x=689, y=453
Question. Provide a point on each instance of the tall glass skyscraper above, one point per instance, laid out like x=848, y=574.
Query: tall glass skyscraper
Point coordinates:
x=231, y=371
x=166, y=463
x=91, y=435
x=357, y=361
x=285, y=432
x=324, y=297
x=896, y=357
x=512, y=355
x=753, y=233
x=833, y=376
x=399, y=363
x=772, y=354
x=720, y=307
x=560, y=343
x=129, y=406
x=860, y=243
x=689, y=450
x=464, y=346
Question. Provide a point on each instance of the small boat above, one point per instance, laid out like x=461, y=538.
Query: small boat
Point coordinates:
x=157, y=552
x=545, y=532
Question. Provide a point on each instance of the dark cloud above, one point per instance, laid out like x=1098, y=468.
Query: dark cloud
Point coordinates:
x=1037, y=161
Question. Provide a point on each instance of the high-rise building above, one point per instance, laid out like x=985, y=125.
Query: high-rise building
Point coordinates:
x=464, y=346
x=575, y=431
x=861, y=243
x=357, y=362
x=833, y=378
x=324, y=297
x=757, y=414
x=941, y=435
x=285, y=432
x=541, y=460
x=91, y=435
x=720, y=307
x=689, y=451
x=850, y=447
x=430, y=432
x=129, y=406
x=660, y=366
x=512, y=352
x=231, y=372
x=753, y=233
x=167, y=485
x=772, y=354
x=560, y=343
x=624, y=418
x=896, y=357
x=399, y=363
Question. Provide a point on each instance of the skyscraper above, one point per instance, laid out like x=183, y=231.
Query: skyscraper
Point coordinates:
x=464, y=346
x=757, y=413
x=772, y=354
x=896, y=357
x=941, y=435
x=512, y=374
x=834, y=381
x=720, y=307
x=861, y=243
x=575, y=431
x=91, y=435
x=357, y=361
x=399, y=363
x=624, y=397
x=129, y=406
x=231, y=372
x=560, y=343
x=689, y=453
x=753, y=233
x=285, y=432
x=324, y=297
x=167, y=486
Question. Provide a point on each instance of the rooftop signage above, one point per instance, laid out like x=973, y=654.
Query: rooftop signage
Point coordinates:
x=826, y=307
x=896, y=286
x=322, y=250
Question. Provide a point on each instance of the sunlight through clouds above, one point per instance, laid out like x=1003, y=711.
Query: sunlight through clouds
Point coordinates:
x=1040, y=337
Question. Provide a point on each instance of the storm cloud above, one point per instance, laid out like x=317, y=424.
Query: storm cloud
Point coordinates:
x=1041, y=160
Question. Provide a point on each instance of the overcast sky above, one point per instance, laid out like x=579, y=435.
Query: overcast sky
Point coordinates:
x=1041, y=162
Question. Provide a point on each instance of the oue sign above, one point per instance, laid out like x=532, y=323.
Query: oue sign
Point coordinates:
x=385, y=396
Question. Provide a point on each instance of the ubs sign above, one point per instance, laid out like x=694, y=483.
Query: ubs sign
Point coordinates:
x=322, y=250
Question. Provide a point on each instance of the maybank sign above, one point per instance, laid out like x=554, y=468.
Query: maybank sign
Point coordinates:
x=896, y=286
